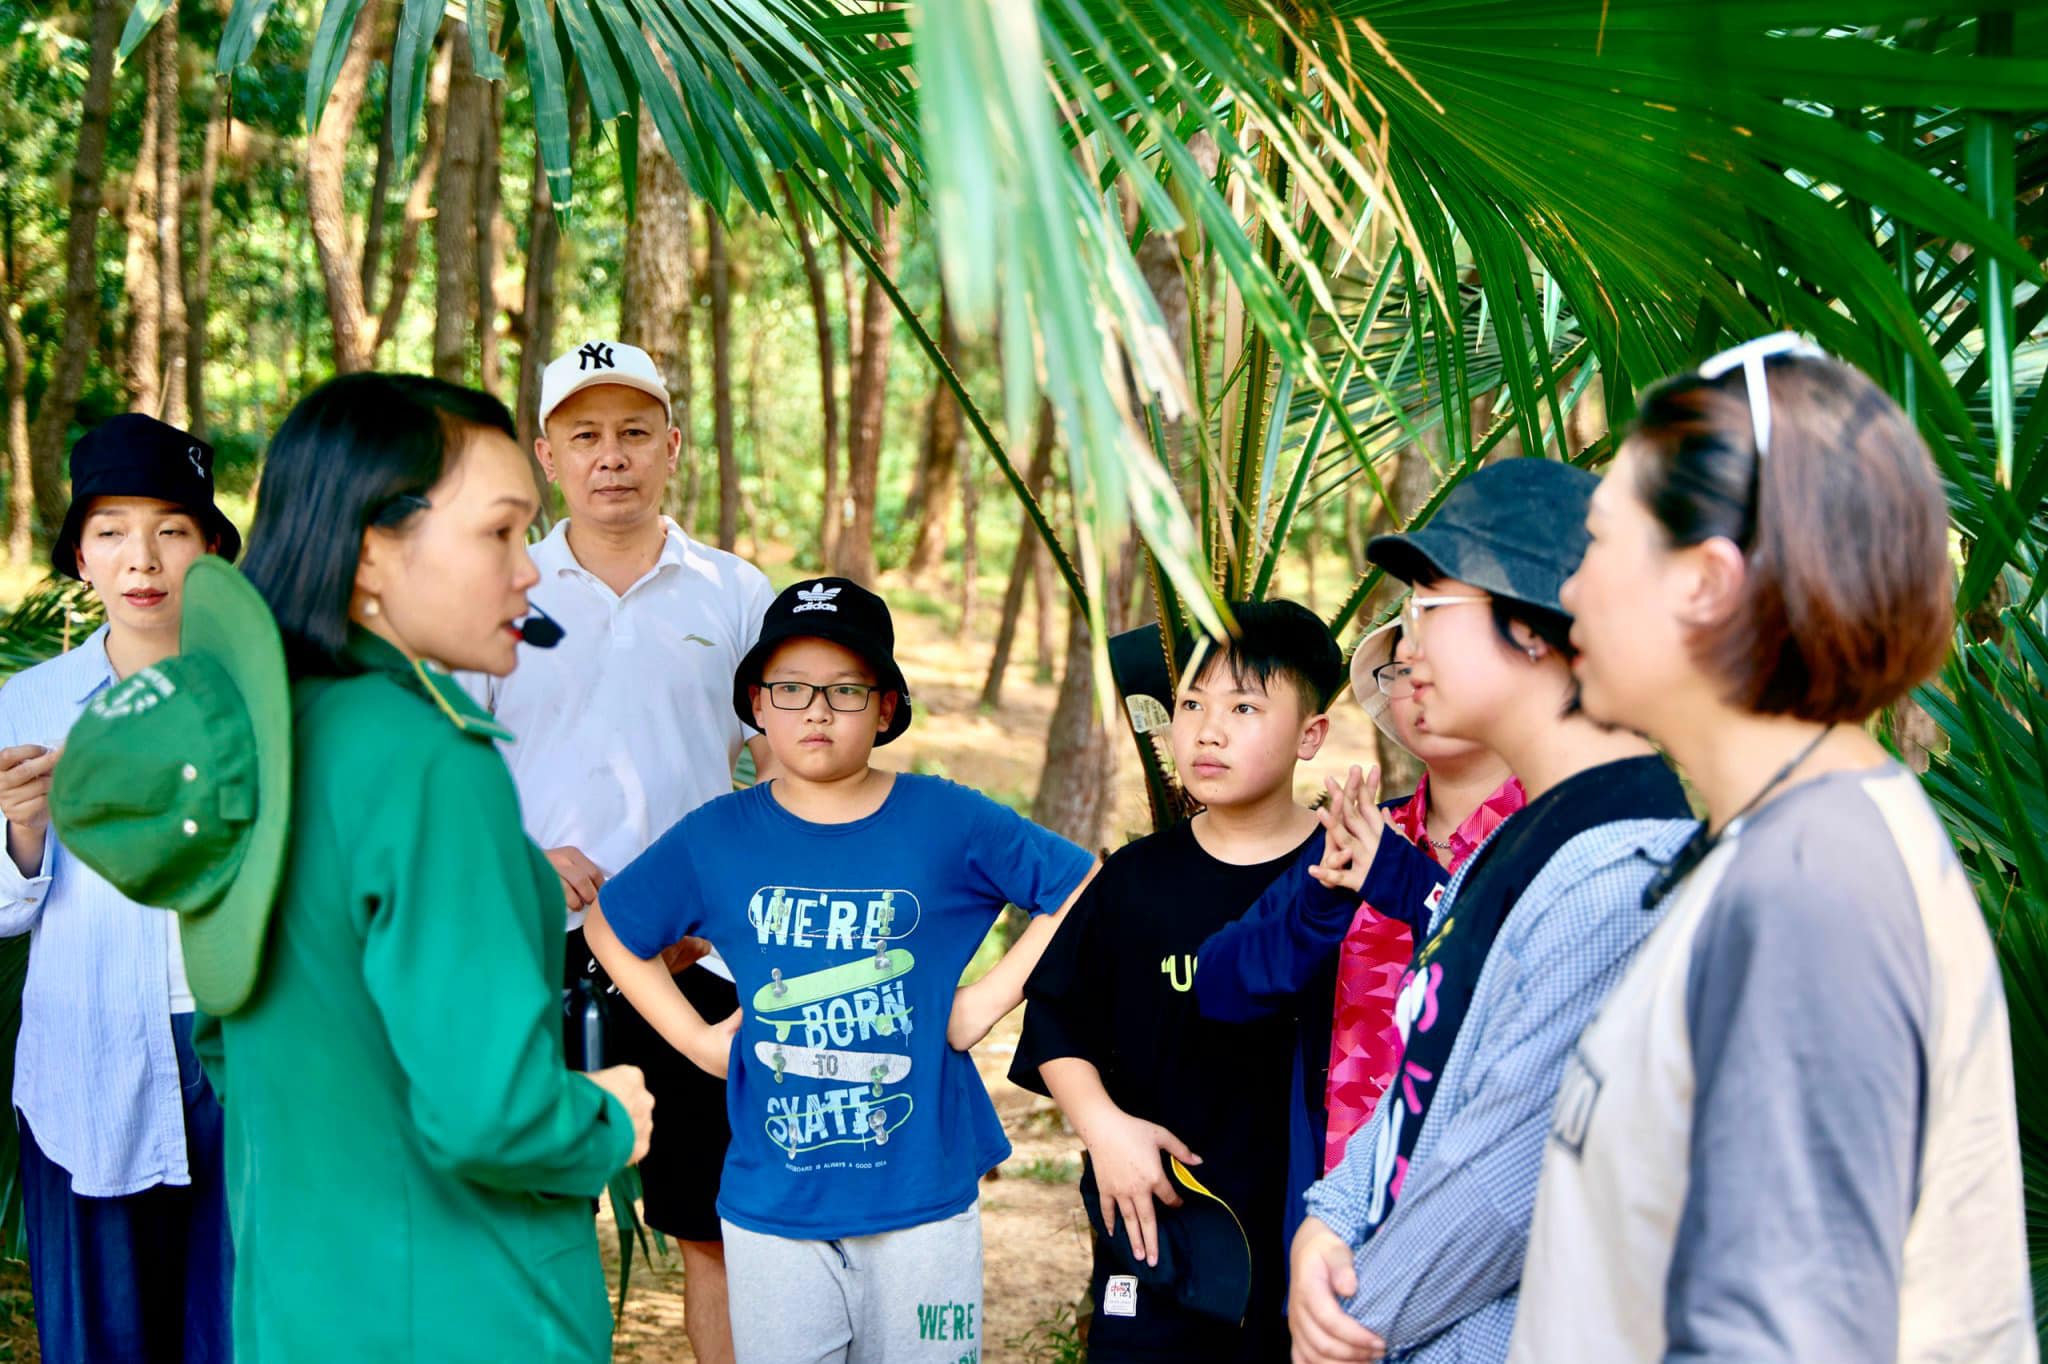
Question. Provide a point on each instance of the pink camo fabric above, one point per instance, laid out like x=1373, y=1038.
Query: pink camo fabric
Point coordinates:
x=1365, y=1042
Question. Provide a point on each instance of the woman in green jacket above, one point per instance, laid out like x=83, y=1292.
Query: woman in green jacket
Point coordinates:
x=410, y=1164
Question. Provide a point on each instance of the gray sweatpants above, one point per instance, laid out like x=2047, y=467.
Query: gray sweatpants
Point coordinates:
x=899, y=1297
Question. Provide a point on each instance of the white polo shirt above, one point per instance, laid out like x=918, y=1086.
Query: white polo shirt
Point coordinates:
x=627, y=725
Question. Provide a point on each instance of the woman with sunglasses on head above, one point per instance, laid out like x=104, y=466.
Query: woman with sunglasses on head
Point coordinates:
x=1414, y=1243
x=1791, y=1133
x=1339, y=972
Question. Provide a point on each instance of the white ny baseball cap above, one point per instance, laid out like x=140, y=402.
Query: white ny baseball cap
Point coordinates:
x=599, y=362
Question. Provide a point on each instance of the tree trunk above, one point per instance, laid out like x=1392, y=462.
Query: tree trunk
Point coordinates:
x=81, y=300
x=1045, y=600
x=970, y=542
x=490, y=359
x=838, y=506
x=865, y=406
x=143, y=367
x=199, y=280
x=21, y=490
x=941, y=462
x=721, y=382
x=170, y=221
x=537, y=314
x=1410, y=488
x=455, y=241
x=659, y=290
x=327, y=201
x=419, y=201
x=1036, y=476
x=828, y=375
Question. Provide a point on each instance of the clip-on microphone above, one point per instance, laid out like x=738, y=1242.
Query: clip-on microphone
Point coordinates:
x=541, y=630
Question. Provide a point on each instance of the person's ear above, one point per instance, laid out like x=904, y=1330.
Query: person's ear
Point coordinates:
x=1710, y=579
x=1532, y=645
x=544, y=455
x=675, y=445
x=757, y=701
x=885, y=711
x=374, y=564
x=1313, y=736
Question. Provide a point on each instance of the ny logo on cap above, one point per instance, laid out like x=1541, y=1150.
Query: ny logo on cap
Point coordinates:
x=818, y=598
x=596, y=355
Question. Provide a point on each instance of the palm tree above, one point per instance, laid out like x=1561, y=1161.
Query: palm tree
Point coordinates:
x=1426, y=227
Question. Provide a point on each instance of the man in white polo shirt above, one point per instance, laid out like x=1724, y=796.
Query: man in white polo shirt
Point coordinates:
x=623, y=729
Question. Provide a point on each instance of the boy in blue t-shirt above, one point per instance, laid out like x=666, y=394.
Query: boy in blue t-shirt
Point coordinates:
x=847, y=900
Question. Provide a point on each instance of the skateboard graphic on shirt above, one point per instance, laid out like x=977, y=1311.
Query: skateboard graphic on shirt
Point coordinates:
x=781, y=996
x=877, y=1068
x=859, y=1124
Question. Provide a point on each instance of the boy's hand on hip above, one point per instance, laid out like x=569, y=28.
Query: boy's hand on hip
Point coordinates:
x=1321, y=1274
x=711, y=1051
x=972, y=1017
x=1129, y=1175
x=629, y=1087
x=581, y=877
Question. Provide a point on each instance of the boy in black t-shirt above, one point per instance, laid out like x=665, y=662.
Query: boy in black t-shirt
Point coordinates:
x=1113, y=1032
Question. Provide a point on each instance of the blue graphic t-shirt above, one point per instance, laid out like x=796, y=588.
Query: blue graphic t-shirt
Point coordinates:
x=850, y=1114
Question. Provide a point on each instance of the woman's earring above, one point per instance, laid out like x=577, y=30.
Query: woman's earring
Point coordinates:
x=1535, y=653
x=372, y=608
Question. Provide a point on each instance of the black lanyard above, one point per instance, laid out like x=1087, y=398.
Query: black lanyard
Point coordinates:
x=1701, y=843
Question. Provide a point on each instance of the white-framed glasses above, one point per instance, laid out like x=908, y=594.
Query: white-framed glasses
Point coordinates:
x=1750, y=356
x=1418, y=607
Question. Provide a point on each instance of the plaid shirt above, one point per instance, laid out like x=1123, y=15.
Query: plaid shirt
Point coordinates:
x=1440, y=1278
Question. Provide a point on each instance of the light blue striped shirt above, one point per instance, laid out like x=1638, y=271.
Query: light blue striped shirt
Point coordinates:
x=95, y=1071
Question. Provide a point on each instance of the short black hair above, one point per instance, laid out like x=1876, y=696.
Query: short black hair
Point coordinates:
x=1549, y=626
x=1276, y=639
x=359, y=450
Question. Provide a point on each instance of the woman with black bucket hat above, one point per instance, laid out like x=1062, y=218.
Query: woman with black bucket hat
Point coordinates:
x=123, y=1197
x=1420, y=1230
x=1791, y=1134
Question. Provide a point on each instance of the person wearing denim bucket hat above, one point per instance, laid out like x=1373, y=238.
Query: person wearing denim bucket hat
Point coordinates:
x=121, y=1135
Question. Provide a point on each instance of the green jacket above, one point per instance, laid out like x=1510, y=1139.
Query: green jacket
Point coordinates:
x=410, y=1165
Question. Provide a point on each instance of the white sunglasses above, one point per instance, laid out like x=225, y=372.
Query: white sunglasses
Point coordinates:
x=1750, y=355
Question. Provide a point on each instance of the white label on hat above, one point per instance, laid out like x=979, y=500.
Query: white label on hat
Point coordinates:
x=1120, y=1296
x=138, y=693
x=818, y=598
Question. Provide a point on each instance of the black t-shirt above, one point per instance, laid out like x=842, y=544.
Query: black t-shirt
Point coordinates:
x=1437, y=991
x=1116, y=988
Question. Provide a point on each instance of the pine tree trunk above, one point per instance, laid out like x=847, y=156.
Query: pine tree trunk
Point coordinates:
x=721, y=382
x=658, y=291
x=327, y=201
x=1036, y=476
x=941, y=461
x=970, y=542
x=828, y=374
x=173, y=340
x=490, y=359
x=380, y=210
x=838, y=506
x=21, y=489
x=199, y=278
x=1045, y=600
x=139, y=276
x=419, y=202
x=866, y=404
x=537, y=314
x=455, y=244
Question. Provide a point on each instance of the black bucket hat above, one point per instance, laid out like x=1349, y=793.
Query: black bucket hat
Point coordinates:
x=1516, y=529
x=135, y=455
x=1205, y=1262
x=843, y=612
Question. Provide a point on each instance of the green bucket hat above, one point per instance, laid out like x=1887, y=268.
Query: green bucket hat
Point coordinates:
x=176, y=783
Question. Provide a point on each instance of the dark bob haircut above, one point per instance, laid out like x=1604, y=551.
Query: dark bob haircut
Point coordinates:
x=1848, y=601
x=1276, y=639
x=360, y=450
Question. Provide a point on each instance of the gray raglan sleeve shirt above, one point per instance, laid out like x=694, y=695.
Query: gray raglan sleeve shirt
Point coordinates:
x=1808, y=1002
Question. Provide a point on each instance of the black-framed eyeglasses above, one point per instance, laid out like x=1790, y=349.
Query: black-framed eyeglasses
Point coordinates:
x=1394, y=680
x=848, y=698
